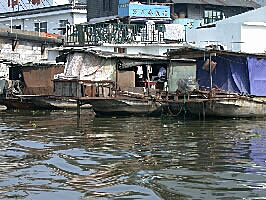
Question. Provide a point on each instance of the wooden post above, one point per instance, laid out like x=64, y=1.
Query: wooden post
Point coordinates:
x=203, y=110
x=210, y=69
x=116, y=78
x=78, y=103
x=148, y=78
x=78, y=112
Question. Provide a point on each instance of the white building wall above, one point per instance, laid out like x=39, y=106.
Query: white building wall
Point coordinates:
x=79, y=18
x=261, y=2
x=253, y=35
x=257, y=15
x=25, y=5
x=25, y=51
x=229, y=35
x=27, y=22
x=153, y=49
x=202, y=37
x=146, y=50
x=245, y=32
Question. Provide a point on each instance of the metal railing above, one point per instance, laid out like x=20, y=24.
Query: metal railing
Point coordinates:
x=97, y=34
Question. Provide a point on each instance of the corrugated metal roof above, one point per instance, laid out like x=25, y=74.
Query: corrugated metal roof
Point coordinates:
x=239, y=3
x=195, y=52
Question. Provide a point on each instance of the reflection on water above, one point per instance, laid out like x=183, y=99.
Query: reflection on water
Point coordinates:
x=45, y=156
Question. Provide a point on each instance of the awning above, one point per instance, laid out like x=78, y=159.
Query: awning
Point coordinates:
x=234, y=3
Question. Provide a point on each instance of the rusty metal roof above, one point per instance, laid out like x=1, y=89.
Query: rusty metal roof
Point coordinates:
x=233, y=3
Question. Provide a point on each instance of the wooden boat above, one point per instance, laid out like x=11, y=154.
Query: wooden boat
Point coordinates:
x=239, y=76
x=221, y=104
x=35, y=102
x=125, y=106
x=228, y=107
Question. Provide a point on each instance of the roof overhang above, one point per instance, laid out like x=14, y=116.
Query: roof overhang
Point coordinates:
x=194, y=53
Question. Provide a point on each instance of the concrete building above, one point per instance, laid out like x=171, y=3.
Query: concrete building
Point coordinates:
x=49, y=17
x=245, y=32
x=261, y=2
x=22, y=47
x=106, y=8
x=195, y=13
x=101, y=8
x=191, y=13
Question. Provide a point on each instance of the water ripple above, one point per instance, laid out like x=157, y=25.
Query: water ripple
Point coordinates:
x=45, y=156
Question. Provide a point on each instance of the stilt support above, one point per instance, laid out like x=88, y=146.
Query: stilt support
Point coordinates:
x=78, y=112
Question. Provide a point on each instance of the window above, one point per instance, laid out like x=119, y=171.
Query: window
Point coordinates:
x=110, y=5
x=41, y=27
x=104, y=5
x=62, y=25
x=211, y=16
x=107, y=5
x=17, y=27
x=120, y=50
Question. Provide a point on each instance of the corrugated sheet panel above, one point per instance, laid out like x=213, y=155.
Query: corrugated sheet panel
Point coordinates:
x=39, y=80
x=239, y=3
x=67, y=88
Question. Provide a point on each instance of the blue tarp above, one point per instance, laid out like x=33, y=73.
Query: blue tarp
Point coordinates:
x=230, y=74
x=257, y=76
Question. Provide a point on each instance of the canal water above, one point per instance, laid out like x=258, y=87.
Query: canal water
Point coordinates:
x=44, y=155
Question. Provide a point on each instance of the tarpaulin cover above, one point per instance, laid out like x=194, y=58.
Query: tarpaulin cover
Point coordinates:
x=230, y=74
x=257, y=76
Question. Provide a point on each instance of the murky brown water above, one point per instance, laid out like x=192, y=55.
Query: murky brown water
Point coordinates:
x=45, y=156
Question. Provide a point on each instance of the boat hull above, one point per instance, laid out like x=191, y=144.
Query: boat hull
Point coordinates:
x=114, y=106
x=41, y=103
x=228, y=108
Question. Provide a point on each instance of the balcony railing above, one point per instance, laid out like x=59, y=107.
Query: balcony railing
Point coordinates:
x=97, y=34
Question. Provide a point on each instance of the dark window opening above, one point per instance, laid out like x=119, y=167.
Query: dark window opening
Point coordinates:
x=107, y=5
x=15, y=73
x=16, y=27
x=40, y=27
x=110, y=5
x=62, y=26
x=104, y=5
x=120, y=50
x=212, y=15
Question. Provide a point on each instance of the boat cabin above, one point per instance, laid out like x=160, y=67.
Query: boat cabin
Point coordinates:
x=231, y=84
x=105, y=74
x=234, y=72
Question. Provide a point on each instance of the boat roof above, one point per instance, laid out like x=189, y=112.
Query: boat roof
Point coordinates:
x=107, y=54
x=129, y=60
x=190, y=52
